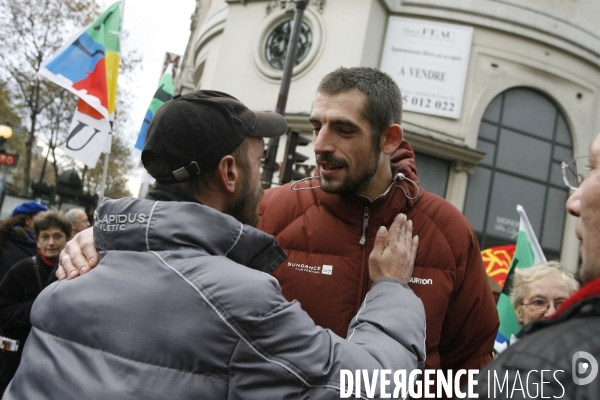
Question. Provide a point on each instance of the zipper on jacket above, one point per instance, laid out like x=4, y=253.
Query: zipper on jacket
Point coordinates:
x=363, y=238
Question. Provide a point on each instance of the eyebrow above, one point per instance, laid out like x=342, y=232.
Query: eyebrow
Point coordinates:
x=538, y=295
x=345, y=122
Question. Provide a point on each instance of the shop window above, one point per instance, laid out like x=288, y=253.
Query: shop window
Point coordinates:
x=525, y=137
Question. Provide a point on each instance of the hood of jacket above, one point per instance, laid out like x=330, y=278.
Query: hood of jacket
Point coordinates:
x=403, y=161
x=131, y=224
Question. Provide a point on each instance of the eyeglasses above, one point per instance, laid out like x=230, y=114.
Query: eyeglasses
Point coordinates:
x=575, y=170
x=541, y=305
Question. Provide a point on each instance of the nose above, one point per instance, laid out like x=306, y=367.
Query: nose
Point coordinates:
x=574, y=202
x=323, y=141
x=550, y=310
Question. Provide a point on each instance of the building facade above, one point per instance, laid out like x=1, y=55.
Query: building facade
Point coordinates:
x=527, y=90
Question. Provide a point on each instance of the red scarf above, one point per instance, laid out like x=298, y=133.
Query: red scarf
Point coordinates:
x=51, y=262
x=589, y=290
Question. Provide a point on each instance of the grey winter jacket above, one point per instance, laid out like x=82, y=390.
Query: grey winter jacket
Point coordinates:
x=182, y=307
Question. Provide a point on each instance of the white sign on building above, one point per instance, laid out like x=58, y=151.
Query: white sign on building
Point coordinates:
x=429, y=61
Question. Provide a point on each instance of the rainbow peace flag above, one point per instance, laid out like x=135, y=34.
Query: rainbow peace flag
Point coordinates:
x=88, y=66
x=163, y=94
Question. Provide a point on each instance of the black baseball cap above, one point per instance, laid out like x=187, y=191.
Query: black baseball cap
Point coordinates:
x=194, y=131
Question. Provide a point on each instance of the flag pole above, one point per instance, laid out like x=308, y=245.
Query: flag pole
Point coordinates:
x=107, y=155
x=104, y=172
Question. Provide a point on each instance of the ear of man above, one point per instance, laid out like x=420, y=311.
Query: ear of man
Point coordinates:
x=391, y=139
x=228, y=174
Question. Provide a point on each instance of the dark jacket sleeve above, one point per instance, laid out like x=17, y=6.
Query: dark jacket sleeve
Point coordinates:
x=15, y=303
x=474, y=321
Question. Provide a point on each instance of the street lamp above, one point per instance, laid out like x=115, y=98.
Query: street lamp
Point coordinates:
x=269, y=164
x=5, y=134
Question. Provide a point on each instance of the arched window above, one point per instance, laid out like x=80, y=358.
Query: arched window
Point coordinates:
x=525, y=137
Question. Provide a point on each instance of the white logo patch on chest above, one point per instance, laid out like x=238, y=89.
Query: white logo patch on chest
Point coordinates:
x=313, y=269
x=420, y=281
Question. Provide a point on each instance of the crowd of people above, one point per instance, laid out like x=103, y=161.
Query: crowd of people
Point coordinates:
x=357, y=268
x=30, y=243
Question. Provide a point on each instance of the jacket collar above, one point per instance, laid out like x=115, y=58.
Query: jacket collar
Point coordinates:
x=130, y=224
x=405, y=181
x=163, y=192
x=401, y=195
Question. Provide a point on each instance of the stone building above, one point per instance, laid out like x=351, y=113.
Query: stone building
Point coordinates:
x=524, y=91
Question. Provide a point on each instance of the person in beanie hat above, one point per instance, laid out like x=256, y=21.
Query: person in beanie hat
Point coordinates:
x=17, y=240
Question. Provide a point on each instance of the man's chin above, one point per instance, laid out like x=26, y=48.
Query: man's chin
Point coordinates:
x=330, y=186
x=589, y=271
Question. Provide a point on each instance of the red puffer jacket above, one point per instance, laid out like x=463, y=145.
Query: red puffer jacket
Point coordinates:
x=327, y=271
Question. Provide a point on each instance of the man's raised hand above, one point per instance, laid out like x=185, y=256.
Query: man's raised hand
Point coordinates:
x=394, y=253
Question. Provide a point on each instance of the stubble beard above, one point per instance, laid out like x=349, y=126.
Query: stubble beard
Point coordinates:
x=350, y=184
x=590, y=271
x=245, y=208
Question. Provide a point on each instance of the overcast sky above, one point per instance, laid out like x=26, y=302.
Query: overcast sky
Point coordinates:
x=155, y=27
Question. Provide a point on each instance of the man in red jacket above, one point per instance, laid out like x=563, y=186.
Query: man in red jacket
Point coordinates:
x=327, y=225
x=366, y=175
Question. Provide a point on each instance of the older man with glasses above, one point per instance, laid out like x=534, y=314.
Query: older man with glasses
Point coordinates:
x=558, y=357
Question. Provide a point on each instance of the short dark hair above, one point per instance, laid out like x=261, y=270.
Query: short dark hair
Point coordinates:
x=49, y=219
x=383, y=105
x=194, y=186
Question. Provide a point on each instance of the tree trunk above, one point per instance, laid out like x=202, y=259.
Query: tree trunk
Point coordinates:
x=28, y=149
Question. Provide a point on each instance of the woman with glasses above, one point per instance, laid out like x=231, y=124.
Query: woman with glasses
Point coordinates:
x=540, y=290
x=22, y=284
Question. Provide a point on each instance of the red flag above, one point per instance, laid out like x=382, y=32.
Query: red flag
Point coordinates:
x=497, y=262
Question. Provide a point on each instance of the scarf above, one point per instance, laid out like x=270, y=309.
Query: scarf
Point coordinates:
x=51, y=262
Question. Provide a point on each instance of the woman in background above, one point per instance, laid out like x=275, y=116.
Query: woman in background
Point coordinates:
x=23, y=283
x=540, y=290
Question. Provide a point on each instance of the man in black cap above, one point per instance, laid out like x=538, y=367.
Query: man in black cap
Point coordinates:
x=183, y=173
x=183, y=305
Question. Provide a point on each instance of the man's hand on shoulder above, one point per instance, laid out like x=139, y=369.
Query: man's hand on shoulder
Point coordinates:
x=79, y=256
x=394, y=253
